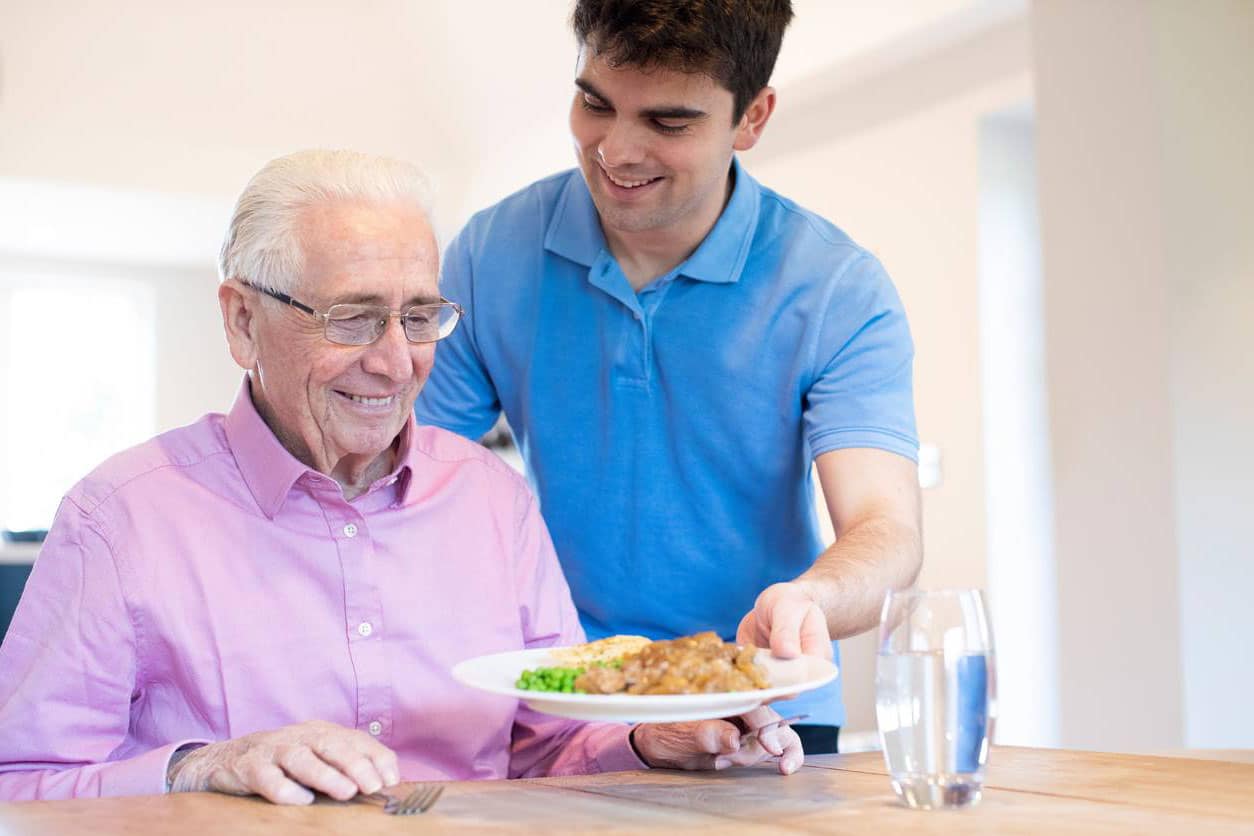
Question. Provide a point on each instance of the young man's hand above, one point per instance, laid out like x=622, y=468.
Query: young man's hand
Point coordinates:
x=786, y=619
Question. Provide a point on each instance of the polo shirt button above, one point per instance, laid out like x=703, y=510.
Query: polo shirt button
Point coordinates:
x=364, y=629
x=375, y=727
x=350, y=530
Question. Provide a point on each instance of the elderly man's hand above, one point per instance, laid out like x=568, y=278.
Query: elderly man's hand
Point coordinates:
x=786, y=619
x=285, y=764
x=715, y=744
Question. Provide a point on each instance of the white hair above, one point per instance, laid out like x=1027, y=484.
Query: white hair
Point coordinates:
x=263, y=243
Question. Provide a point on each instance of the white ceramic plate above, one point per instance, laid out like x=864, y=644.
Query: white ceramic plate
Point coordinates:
x=498, y=672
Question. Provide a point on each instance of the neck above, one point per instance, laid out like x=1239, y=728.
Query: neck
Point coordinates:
x=354, y=473
x=649, y=253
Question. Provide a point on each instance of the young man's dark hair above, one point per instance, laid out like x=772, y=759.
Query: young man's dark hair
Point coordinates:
x=735, y=42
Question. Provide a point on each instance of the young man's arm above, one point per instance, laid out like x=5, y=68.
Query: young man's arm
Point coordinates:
x=859, y=421
x=873, y=498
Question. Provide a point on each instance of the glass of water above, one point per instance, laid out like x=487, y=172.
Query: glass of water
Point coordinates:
x=935, y=695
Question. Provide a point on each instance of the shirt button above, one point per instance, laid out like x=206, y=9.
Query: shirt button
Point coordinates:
x=364, y=629
x=376, y=728
x=350, y=530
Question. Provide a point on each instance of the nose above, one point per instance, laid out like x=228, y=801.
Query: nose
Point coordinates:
x=621, y=146
x=391, y=355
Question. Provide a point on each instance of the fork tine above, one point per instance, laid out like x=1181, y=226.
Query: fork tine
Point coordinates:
x=410, y=804
x=420, y=803
x=435, y=796
x=423, y=800
x=401, y=806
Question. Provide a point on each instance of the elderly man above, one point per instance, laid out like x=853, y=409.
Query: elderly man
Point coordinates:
x=270, y=601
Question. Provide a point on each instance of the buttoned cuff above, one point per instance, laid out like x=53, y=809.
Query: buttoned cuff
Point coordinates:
x=141, y=775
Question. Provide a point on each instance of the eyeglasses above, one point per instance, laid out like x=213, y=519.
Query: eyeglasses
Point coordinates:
x=350, y=324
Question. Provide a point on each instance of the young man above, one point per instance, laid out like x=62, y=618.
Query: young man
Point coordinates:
x=674, y=345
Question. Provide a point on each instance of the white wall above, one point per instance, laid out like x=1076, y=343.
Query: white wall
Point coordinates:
x=1205, y=66
x=167, y=241
x=1019, y=498
x=1145, y=121
x=192, y=99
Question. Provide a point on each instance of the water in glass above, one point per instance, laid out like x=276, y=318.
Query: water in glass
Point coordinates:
x=935, y=696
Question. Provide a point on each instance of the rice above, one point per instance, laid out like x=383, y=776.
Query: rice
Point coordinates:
x=602, y=650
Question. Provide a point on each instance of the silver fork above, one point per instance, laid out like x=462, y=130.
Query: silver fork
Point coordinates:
x=420, y=800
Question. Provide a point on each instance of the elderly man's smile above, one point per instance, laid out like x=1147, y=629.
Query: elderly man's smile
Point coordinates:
x=379, y=402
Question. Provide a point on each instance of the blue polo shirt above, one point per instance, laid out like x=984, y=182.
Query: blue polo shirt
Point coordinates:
x=669, y=432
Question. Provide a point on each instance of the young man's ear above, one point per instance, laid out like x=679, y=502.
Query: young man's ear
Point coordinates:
x=238, y=322
x=753, y=122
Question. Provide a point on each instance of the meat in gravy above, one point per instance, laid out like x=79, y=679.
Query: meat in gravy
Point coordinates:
x=699, y=664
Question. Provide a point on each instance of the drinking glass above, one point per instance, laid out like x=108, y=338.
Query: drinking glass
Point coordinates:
x=935, y=695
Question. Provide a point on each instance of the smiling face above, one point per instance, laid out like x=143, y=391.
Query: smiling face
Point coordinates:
x=340, y=408
x=655, y=146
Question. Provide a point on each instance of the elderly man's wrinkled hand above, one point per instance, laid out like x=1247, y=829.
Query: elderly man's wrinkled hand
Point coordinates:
x=786, y=619
x=715, y=744
x=285, y=765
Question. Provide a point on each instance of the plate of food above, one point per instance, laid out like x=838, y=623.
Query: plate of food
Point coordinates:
x=632, y=679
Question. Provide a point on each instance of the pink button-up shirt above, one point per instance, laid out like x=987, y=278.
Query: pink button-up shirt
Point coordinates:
x=206, y=585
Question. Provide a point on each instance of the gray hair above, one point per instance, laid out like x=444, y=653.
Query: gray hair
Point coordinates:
x=263, y=243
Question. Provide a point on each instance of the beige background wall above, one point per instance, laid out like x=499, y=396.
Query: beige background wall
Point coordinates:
x=1208, y=112
x=1145, y=126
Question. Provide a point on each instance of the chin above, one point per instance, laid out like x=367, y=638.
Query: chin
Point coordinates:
x=631, y=221
x=372, y=440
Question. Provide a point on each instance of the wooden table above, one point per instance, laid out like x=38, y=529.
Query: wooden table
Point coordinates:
x=1027, y=791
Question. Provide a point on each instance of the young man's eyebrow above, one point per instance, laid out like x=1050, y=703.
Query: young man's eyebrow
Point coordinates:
x=589, y=88
x=673, y=112
x=663, y=112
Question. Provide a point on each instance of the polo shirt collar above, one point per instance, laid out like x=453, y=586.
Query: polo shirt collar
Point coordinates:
x=722, y=255
x=270, y=471
x=574, y=231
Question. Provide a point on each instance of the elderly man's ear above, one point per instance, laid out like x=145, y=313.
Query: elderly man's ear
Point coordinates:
x=240, y=324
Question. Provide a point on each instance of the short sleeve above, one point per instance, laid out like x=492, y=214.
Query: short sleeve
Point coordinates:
x=459, y=395
x=861, y=394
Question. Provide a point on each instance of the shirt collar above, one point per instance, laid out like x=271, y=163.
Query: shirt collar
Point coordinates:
x=574, y=231
x=270, y=471
x=722, y=255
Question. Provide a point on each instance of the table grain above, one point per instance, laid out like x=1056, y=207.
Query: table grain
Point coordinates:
x=1027, y=791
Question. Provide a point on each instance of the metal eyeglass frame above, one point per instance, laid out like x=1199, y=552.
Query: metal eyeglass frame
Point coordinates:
x=325, y=316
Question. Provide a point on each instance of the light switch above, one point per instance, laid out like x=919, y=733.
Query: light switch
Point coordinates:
x=929, y=466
